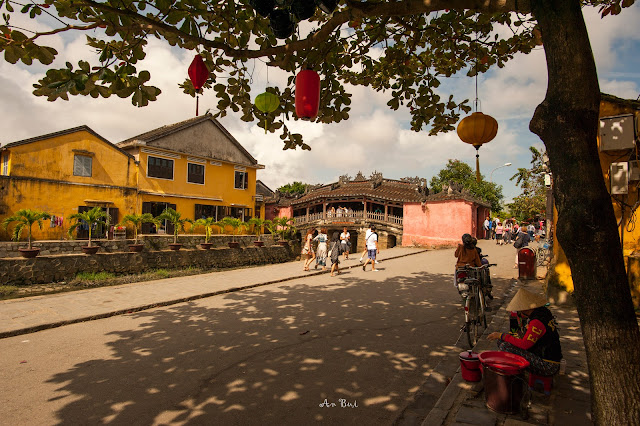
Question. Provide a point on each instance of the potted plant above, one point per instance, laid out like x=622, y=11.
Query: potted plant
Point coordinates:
x=257, y=223
x=235, y=224
x=284, y=228
x=25, y=218
x=176, y=219
x=208, y=223
x=91, y=217
x=137, y=220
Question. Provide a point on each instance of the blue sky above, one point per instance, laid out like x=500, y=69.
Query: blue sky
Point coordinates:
x=373, y=139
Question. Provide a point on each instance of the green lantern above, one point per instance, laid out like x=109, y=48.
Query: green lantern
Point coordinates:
x=267, y=102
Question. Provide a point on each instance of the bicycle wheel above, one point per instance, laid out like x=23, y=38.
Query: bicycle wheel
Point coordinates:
x=482, y=317
x=472, y=322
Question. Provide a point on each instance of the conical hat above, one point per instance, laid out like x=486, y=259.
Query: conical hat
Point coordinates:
x=524, y=300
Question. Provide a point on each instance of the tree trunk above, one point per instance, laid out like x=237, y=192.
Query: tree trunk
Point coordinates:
x=567, y=122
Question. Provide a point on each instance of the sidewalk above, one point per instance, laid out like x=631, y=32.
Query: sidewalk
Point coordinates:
x=31, y=314
x=570, y=400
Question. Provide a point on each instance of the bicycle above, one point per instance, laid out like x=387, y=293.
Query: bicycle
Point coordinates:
x=543, y=254
x=475, y=278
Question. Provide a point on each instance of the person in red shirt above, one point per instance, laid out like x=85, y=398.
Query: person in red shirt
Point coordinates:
x=540, y=344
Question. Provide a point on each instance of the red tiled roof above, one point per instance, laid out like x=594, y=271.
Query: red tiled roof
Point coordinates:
x=388, y=190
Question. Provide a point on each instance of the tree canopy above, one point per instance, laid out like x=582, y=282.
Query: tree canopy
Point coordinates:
x=458, y=172
x=295, y=187
x=403, y=48
x=532, y=201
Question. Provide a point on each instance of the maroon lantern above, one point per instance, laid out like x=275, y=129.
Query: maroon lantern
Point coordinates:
x=307, y=94
x=198, y=74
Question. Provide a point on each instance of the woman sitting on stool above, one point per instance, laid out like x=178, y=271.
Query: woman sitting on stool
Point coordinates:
x=540, y=344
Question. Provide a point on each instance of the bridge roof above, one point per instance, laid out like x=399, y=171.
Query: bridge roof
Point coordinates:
x=381, y=190
x=385, y=190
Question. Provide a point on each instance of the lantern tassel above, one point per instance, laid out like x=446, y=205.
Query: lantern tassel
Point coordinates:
x=265, y=126
x=197, y=102
x=477, y=166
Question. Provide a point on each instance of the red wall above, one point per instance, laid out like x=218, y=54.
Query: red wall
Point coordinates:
x=438, y=223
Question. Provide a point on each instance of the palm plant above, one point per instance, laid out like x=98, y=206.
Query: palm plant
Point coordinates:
x=257, y=224
x=176, y=219
x=284, y=227
x=25, y=218
x=208, y=223
x=91, y=217
x=234, y=223
x=137, y=220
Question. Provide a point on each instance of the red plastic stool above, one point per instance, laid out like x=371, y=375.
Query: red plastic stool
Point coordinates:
x=545, y=381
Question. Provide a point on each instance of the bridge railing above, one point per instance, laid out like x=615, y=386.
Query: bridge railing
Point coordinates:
x=330, y=217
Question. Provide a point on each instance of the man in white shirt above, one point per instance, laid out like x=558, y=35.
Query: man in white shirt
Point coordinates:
x=371, y=242
x=366, y=235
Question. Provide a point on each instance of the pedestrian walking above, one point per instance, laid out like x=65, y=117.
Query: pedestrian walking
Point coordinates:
x=499, y=232
x=372, y=249
x=334, y=253
x=321, y=252
x=366, y=235
x=485, y=227
x=345, y=242
x=308, y=254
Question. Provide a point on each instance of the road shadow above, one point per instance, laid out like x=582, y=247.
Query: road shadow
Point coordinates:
x=293, y=353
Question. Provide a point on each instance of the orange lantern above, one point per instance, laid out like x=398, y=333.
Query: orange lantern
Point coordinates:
x=478, y=129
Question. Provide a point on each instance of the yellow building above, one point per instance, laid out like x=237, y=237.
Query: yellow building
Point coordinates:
x=197, y=168
x=194, y=166
x=64, y=173
x=620, y=163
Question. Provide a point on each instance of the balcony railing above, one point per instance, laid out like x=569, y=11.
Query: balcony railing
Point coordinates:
x=347, y=217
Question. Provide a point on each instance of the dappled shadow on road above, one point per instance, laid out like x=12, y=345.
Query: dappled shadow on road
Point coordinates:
x=279, y=354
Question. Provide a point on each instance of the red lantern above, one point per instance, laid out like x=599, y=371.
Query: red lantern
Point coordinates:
x=198, y=74
x=307, y=94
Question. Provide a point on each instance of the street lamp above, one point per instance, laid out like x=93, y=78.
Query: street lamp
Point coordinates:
x=499, y=167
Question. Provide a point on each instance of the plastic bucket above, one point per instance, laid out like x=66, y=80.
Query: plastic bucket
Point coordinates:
x=470, y=366
x=504, y=383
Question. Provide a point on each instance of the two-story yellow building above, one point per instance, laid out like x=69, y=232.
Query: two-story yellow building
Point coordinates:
x=64, y=173
x=197, y=168
x=194, y=166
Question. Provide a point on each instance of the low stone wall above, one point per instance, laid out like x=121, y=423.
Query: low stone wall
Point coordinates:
x=151, y=242
x=54, y=268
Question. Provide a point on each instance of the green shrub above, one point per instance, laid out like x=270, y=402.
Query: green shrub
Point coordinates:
x=95, y=276
x=6, y=290
x=163, y=273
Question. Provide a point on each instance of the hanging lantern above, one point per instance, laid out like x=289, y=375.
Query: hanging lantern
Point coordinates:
x=198, y=74
x=307, y=94
x=327, y=6
x=263, y=7
x=303, y=9
x=267, y=102
x=478, y=129
x=281, y=24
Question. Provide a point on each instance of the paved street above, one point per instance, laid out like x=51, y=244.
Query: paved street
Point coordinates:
x=278, y=354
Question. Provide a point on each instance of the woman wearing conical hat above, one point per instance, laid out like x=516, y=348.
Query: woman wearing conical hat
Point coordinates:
x=540, y=344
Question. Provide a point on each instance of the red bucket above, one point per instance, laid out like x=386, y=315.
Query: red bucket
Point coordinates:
x=504, y=383
x=470, y=366
x=503, y=362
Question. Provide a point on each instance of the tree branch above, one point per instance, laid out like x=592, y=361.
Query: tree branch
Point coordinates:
x=358, y=10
